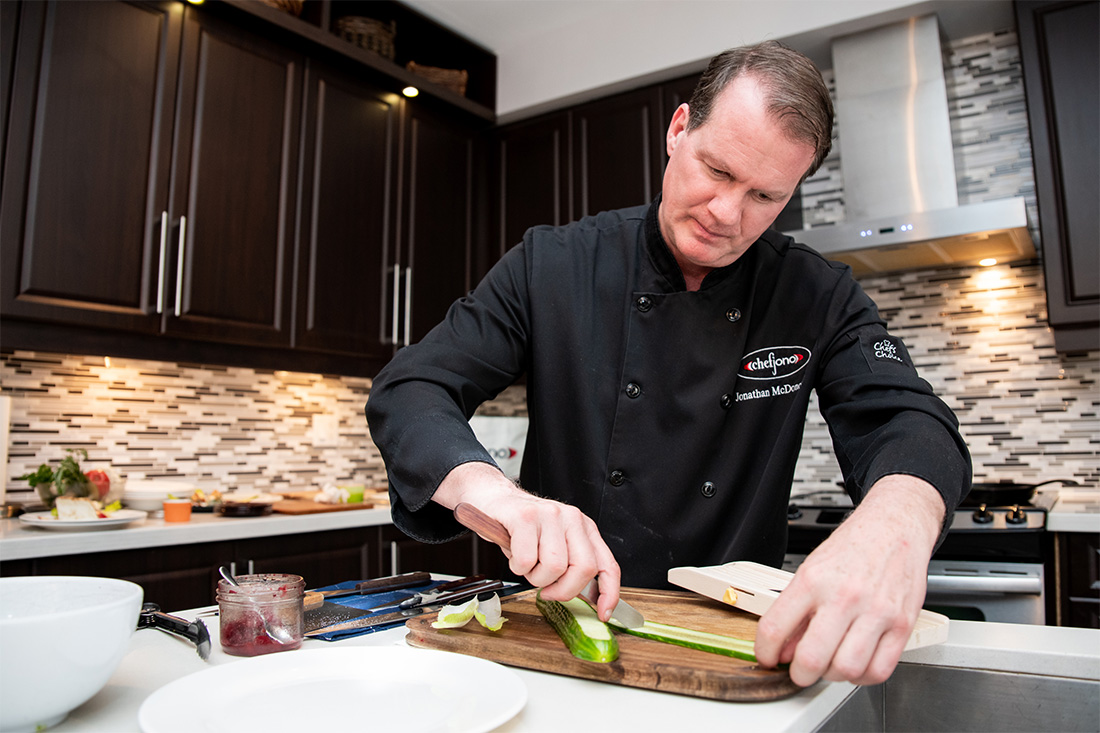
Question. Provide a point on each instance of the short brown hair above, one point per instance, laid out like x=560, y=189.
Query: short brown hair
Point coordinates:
x=797, y=95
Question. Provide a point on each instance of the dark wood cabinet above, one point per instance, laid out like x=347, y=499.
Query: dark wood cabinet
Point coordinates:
x=178, y=577
x=1061, y=65
x=349, y=202
x=1078, y=581
x=466, y=555
x=433, y=259
x=617, y=151
x=234, y=185
x=87, y=162
x=532, y=178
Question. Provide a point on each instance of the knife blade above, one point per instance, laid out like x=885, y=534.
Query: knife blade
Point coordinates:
x=496, y=532
x=378, y=585
x=388, y=618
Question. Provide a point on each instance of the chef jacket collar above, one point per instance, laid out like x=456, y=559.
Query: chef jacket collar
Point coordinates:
x=665, y=264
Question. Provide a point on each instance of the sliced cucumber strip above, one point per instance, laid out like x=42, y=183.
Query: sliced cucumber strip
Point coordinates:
x=729, y=646
x=584, y=634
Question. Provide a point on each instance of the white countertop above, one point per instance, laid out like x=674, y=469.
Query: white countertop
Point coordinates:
x=1075, y=510
x=156, y=658
x=554, y=702
x=20, y=541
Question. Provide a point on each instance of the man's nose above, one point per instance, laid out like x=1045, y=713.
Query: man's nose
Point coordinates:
x=726, y=207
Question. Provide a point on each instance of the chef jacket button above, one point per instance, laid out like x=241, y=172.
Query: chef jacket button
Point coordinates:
x=708, y=489
x=633, y=390
x=726, y=401
x=733, y=315
x=643, y=303
x=617, y=478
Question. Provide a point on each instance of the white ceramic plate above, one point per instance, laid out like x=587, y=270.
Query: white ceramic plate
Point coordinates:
x=395, y=688
x=117, y=519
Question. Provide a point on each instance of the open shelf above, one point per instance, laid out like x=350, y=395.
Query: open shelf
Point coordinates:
x=418, y=39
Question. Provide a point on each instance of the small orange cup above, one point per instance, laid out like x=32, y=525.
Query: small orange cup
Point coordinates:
x=177, y=510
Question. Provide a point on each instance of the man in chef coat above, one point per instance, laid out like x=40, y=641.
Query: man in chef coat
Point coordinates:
x=670, y=351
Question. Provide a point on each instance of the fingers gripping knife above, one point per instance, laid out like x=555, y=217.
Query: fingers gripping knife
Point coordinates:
x=754, y=587
x=496, y=532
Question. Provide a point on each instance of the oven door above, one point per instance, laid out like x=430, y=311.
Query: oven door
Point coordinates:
x=1005, y=592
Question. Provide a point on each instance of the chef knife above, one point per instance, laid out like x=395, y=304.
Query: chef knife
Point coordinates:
x=378, y=585
x=496, y=532
x=368, y=622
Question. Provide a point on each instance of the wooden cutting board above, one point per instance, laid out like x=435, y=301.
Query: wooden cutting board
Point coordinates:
x=527, y=640
x=308, y=506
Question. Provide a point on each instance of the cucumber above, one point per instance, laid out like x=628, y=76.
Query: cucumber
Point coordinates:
x=580, y=628
x=729, y=646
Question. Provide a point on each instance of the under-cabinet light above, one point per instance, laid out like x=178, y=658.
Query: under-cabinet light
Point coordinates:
x=988, y=262
x=410, y=91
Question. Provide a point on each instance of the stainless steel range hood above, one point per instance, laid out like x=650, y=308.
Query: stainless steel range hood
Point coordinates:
x=900, y=194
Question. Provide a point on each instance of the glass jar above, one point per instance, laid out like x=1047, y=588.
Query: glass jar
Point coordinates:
x=262, y=615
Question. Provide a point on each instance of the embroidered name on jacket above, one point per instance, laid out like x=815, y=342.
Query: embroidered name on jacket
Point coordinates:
x=774, y=362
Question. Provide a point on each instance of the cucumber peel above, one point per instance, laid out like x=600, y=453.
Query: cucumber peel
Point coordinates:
x=576, y=622
x=729, y=646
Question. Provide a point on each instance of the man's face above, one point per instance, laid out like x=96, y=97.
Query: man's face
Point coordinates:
x=726, y=180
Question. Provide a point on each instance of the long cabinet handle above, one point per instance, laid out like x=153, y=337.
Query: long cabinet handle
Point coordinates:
x=396, y=302
x=408, y=303
x=179, y=266
x=162, y=260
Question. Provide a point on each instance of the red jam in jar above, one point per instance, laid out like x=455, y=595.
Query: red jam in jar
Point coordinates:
x=262, y=615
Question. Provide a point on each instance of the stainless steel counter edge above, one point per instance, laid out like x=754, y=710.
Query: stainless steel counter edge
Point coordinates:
x=18, y=541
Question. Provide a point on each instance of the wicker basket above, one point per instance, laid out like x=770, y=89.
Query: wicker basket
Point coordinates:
x=454, y=79
x=294, y=7
x=372, y=35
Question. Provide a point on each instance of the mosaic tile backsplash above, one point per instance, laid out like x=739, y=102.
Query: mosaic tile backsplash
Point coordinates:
x=979, y=336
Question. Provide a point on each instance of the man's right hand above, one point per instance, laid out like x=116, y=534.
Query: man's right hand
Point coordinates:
x=555, y=546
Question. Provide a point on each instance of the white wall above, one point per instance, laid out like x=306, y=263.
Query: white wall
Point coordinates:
x=556, y=52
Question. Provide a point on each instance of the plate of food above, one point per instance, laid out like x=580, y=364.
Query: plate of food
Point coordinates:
x=81, y=515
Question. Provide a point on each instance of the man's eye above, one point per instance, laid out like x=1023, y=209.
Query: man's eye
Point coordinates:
x=717, y=173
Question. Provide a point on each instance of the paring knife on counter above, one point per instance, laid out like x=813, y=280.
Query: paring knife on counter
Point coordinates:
x=454, y=596
x=379, y=585
x=496, y=532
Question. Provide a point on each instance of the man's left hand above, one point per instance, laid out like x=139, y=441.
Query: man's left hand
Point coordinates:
x=848, y=612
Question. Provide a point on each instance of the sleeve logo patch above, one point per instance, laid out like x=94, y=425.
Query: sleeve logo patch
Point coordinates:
x=886, y=349
x=774, y=362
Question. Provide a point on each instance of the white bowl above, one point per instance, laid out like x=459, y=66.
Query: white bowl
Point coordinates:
x=61, y=638
x=149, y=494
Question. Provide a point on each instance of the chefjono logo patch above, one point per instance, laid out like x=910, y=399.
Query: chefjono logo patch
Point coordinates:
x=886, y=349
x=774, y=362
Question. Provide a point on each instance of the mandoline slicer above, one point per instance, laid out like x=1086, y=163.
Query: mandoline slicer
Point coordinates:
x=754, y=587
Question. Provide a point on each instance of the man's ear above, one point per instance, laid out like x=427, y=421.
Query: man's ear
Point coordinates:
x=676, y=128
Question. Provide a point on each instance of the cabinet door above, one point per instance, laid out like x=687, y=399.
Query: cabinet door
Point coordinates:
x=1061, y=65
x=533, y=178
x=348, y=172
x=438, y=218
x=617, y=145
x=234, y=185
x=86, y=170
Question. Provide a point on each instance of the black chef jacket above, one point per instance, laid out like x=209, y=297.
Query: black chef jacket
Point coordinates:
x=672, y=418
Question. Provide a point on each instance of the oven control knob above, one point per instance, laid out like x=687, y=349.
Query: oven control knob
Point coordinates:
x=793, y=512
x=983, y=515
x=1016, y=515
